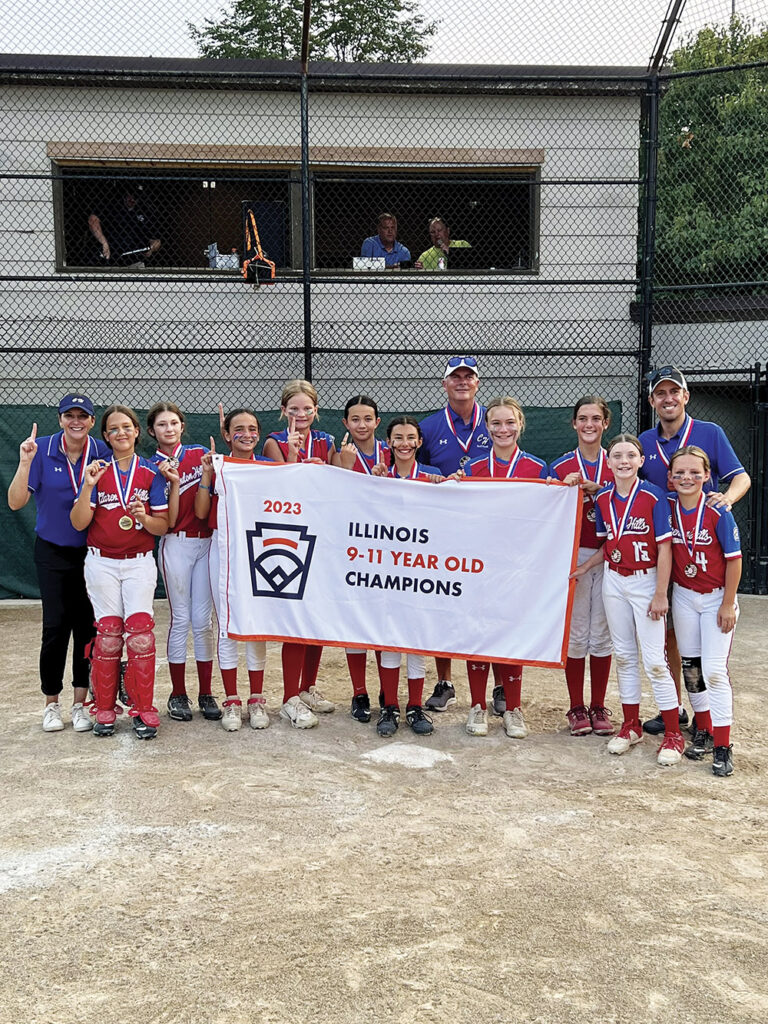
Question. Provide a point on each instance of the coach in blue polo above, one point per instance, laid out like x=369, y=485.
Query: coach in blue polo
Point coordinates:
x=668, y=396
x=52, y=469
x=452, y=437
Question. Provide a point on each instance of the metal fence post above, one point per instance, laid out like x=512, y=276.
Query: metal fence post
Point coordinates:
x=306, y=247
x=648, y=243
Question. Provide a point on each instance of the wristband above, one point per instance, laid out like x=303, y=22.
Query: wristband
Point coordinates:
x=204, y=487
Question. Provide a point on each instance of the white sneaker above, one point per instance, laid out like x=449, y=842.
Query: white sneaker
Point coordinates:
x=81, y=720
x=257, y=712
x=514, y=724
x=315, y=701
x=625, y=738
x=52, y=718
x=230, y=715
x=298, y=714
x=477, y=721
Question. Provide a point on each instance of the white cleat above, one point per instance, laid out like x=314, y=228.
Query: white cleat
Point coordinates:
x=298, y=714
x=231, y=719
x=81, y=719
x=257, y=713
x=514, y=724
x=477, y=721
x=316, y=702
x=52, y=721
x=625, y=738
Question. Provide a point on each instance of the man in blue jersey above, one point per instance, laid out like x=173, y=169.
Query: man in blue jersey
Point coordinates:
x=668, y=396
x=453, y=437
x=385, y=244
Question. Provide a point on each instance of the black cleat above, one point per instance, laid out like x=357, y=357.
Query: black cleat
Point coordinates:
x=180, y=708
x=701, y=745
x=655, y=726
x=361, y=707
x=389, y=721
x=499, y=701
x=143, y=731
x=442, y=697
x=103, y=728
x=209, y=707
x=722, y=761
x=418, y=721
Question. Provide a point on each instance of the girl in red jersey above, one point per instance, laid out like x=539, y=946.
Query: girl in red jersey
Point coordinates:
x=361, y=454
x=633, y=516
x=505, y=420
x=404, y=438
x=123, y=505
x=299, y=442
x=183, y=559
x=240, y=429
x=706, y=569
x=299, y=404
x=587, y=467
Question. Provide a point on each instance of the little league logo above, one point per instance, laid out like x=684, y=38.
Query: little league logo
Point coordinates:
x=279, y=558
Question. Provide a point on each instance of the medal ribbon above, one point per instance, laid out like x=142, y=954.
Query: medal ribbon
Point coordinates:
x=683, y=441
x=377, y=448
x=123, y=493
x=464, y=445
x=76, y=483
x=175, y=454
x=411, y=476
x=510, y=467
x=618, y=531
x=584, y=470
x=691, y=549
x=308, y=448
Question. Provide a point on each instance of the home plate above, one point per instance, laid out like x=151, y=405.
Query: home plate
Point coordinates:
x=406, y=755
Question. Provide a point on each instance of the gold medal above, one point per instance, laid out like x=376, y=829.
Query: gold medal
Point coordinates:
x=125, y=523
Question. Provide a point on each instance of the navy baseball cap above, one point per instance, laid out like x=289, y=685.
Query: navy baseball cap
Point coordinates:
x=76, y=402
x=666, y=373
x=457, y=362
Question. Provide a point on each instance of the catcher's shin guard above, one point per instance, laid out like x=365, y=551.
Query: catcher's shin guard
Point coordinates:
x=106, y=648
x=140, y=673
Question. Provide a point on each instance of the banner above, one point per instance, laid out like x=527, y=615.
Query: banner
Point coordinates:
x=462, y=569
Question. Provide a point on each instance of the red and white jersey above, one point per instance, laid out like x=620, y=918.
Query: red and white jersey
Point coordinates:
x=634, y=526
x=318, y=445
x=700, y=565
x=598, y=472
x=190, y=471
x=365, y=463
x=521, y=466
x=142, y=481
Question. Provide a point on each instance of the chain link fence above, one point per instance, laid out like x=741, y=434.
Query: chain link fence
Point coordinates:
x=570, y=196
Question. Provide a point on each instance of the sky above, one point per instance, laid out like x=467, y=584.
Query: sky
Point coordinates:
x=581, y=32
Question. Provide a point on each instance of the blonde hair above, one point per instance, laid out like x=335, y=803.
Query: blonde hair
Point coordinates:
x=692, y=449
x=298, y=387
x=508, y=402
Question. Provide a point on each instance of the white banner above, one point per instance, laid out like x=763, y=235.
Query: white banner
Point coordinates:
x=471, y=569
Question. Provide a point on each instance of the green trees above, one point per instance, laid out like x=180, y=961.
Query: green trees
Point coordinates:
x=343, y=30
x=712, y=213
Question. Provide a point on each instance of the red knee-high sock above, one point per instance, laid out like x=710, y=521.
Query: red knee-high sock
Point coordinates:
x=312, y=655
x=204, y=676
x=574, y=680
x=671, y=720
x=390, y=680
x=704, y=721
x=256, y=679
x=229, y=678
x=356, y=664
x=631, y=714
x=477, y=673
x=513, y=685
x=416, y=691
x=178, y=672
x=293, y=662
x=599, y=670
x=720, y=733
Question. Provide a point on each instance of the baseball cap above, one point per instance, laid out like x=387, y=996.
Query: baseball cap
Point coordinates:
x=666, y=373
x=76, y=402
x=457, y=362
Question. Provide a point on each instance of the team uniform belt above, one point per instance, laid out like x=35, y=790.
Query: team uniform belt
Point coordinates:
x=121, y=556
x=192, y=534
x=623, y=571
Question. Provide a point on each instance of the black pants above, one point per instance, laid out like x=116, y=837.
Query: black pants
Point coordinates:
x=67, y=612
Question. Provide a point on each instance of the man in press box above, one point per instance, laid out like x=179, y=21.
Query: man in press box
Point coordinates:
x=385, y=243
x=124, y=232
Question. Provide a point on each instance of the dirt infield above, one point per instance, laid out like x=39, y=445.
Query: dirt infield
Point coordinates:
x=283, y=877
